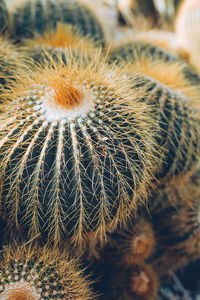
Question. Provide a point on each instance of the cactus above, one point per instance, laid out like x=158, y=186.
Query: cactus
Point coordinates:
x=3, y=16
x=137, y=51
x=177, y=130
x=176, y=222
x=31, y=273
x=40, y=16
x=138, y=282
x=77, y=151
x=130, y=246
x=11, y=65
x=187, y=22
x=56, y=41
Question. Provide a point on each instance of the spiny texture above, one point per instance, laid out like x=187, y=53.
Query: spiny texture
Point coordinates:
x=140, y=51
x=187, y=24
x=77, y=150
x=39, y=16
x=131, y=245
x=33, y=273
x=178, y=126
x=176, y=220
x=3, y=16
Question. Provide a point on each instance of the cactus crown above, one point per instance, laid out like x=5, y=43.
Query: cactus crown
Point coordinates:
x=63, y=36
x=83, y=150
x=32, y=273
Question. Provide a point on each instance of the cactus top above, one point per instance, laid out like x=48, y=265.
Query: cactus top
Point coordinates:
x=77, y=149
x=33, y=273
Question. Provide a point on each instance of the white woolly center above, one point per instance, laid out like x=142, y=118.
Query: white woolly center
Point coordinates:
x=55, y=112
x=22, y=286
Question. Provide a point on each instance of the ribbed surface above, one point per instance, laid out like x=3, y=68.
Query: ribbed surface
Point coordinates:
x=39, y=16
x=178, y=128
x=67, y=177
x=133, y=51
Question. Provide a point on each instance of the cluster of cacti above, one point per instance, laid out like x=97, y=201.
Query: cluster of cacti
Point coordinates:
x=99, y=154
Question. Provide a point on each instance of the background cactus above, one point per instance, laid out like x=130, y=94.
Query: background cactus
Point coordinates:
x=176, y=221
x=148, y=53
x=137, y=282
x=31, y=273
x=3, y=16
x=39, y=16
x=83, y=153
x=12, y=63
x=131, y=245
x=177, y=126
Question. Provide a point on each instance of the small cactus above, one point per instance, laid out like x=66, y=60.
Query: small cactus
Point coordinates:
x=130, y=246
x=138, y=282
x=56, y=41
x=77, y=151
x=33, y=273
x=41, y=16
x=176, y=222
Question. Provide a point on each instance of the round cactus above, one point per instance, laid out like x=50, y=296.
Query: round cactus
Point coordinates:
x=138, y=282
x=33, y=273
x=39, y=16
x=178, y=126
x=3, y=16
x=77, y=151
x=146, y=53
x=176, y=222
x=130, y=246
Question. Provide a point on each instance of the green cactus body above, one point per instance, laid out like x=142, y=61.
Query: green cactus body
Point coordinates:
x=40, y=16
x=135, y=50
x=3, y=16
x=178, y=126
x=33, y=274
x=75, y=155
